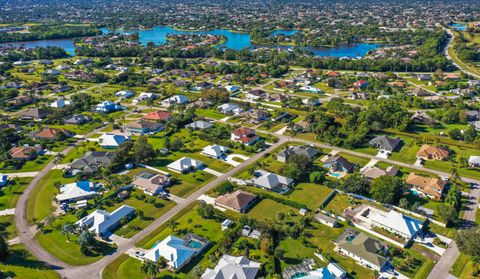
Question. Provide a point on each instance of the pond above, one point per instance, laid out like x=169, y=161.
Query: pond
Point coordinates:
x=235, y=41
x=458, y=26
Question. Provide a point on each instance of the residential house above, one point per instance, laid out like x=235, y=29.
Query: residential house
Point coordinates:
x=361, y=84
x=177, y=251
x=78, y=119
x=203, y=86
x=256, y=94
x=3, y=180
x=230, y=267
x=24, y=153
x=124, y=94
x=307, y=151
x=199, y=125
x=472, y=115
x=422, y=117
x=397, y=223
x=107, y=107
x=158, y=115
x=364, y=250
x=185, y=164
x=426, y=186
x=151, y=184
x=420, y=92
x=338, y=163
x=278, y=97
x=34, y=114
x=19, y=101
x=109, y=140
x=475, y=125
x=239, y=201
x=91, y=161
x=374, y=172
x=51, y=134
x=474, y=161
x=215, y=151
x=428, y=152
x=272, y=181
x=423, y=77
x=176, y=99
x=102, y=222
x=200, y=103
x=145, y=96
x=232, y=88
x=230, y=108
x=385, y=143
x=60, y=103
x=142, y=127
x=326, y=220
x=257, y=116
x=244, y=135
x=76, y=191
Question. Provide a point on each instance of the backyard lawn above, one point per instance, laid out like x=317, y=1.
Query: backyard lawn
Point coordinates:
x=150, y=211
x=29, y=166
x=66, y=250
x=268, y=210
x=10, y=194
x=312, y=195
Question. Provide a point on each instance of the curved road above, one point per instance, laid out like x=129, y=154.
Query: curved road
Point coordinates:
x=94, y=270
x=449, y=45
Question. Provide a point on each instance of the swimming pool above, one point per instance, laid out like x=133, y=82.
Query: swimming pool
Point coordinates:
x=335, y=174
x=193, y=244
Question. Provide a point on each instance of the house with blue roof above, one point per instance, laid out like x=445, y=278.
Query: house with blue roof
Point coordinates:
x=3, y=180
x=108, y=106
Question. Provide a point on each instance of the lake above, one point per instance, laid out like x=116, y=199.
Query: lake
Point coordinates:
x=235, y=41
x=66, y=44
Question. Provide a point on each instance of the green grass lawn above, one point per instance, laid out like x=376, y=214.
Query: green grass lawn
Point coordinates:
x=151, y=212
x=124, y=267
x=210, y=113
x=21, y=264
x=40, y=203
x=268, y=209
x=10, y=194
x=339, y=203
x=79, y=129
x=7, y=227
x=463, y=267
x=66, y=250
x=310, y=194
x=354, y=159
x=29, y=166
x=408, y=152
x=80, y=150
x=189, y=183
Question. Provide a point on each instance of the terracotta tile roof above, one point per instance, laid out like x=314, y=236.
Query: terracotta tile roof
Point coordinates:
x=157, y=115
x=432, y=152
x=428, y=185
x=237, y=200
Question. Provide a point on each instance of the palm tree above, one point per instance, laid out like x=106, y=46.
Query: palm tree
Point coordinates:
x=68, y=229
x=150, y=268
x=172, y=225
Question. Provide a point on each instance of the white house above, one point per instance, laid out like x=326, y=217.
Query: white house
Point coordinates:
x=145, y=96
x=233, y=267
x=185, y=164
x=124, y=94
x=215, y=151
x=101, y=221
x=311, y=89
x=232, y=88
x=108, y=140
x=397, y=223
x=76, y=191
x=177, y=99
x=60, y=103
x=474, y=161
x=230, y=108
x=177, y=251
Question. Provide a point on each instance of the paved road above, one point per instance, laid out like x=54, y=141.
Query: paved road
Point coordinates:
x=26, y=236
x=95, y=270
x=449, y=45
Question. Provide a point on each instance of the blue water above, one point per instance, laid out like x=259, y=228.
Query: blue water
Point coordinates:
x=235, y=41
x=66, y=44
x=458, y=26
x=284, y=32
